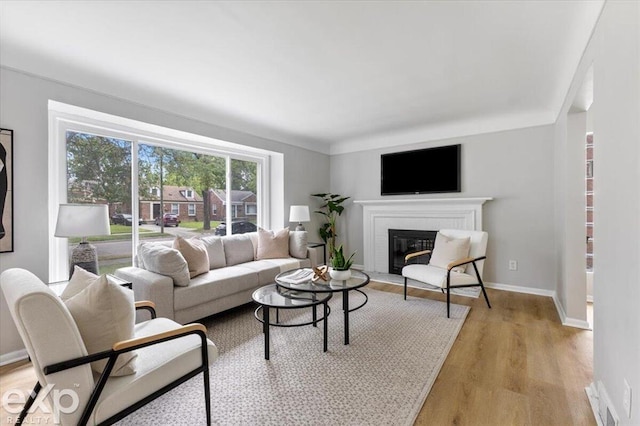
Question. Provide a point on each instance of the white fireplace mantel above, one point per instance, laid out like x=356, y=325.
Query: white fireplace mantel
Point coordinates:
x=430, y=214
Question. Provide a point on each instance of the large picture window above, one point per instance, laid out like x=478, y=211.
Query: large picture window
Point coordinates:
x=154, y=183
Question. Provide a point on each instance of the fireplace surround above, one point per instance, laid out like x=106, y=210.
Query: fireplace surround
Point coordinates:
x=378, y=216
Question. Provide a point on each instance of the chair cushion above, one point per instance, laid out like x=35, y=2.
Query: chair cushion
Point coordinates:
x=158, y=365
x=436, y=276
x=447, y=250
x=272, y=245
x=215, y=251
x=195, y=253
x=105, y=314
x=164, y=260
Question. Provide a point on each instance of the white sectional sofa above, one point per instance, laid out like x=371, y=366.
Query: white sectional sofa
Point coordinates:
x=236, y=269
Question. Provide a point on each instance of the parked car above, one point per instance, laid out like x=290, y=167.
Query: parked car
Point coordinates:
x=169, y=219
x=123, y=219
x=238, y=226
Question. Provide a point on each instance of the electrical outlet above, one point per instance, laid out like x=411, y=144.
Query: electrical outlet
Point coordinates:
x=626, y=399
x=513, y=265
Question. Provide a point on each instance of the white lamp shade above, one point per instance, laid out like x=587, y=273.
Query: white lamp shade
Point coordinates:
x=82, y=220
x=299, y=214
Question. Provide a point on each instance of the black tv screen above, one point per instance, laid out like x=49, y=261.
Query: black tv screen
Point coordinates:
x=424, y=171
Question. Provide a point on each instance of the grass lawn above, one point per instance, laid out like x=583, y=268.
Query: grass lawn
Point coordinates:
x=198, y=226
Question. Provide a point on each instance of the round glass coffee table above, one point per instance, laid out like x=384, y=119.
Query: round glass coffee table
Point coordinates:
x=272, y=296
x=358, y=279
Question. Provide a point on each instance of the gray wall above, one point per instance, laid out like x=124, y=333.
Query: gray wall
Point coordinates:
x=515, y=167
x=23, y=108
x=616, y=110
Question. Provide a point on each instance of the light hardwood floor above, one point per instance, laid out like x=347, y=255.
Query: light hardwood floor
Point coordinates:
x=514, y=364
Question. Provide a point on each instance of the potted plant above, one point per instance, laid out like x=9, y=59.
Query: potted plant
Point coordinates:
x=341, y=266
x=331, y=209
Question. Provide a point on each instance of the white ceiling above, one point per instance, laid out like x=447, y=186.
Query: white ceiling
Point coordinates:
x=327, y=75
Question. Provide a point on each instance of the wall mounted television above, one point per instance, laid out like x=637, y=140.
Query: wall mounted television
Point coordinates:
x=423, y=171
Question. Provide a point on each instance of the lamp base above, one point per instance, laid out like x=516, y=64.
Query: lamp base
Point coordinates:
x=300, y=227
x=85, y=256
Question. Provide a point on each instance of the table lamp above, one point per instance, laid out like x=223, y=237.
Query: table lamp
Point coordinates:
x=83, y=220
x=299, y=214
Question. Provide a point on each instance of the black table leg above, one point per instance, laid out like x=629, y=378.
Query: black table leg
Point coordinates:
x=326, y=327
x=345, y=308
x=265, y=328
x=315, y=316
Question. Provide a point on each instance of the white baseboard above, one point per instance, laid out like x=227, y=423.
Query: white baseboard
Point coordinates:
x=567, y=321
x=592, y=395
x=12, y=357
x=519, y=289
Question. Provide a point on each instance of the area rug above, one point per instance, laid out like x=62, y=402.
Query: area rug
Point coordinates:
x=399, y=280
x=383, y=377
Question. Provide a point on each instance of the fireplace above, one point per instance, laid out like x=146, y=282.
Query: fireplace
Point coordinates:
x=378, y=216
x=405, y=241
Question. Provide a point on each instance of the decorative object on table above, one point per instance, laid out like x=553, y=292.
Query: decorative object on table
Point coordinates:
x=83, y=220
x=299, y=214
x=331, y=209
x=320, y=273
x=6, y=190
x=341, y=266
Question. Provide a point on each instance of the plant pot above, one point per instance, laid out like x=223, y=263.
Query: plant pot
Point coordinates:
x=340, y=275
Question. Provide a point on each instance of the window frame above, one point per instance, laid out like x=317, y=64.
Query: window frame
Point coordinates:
x=190, y=207
x=65, y=117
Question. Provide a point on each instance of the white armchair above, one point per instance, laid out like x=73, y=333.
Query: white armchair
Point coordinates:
x=167, y=355
x=456, y=267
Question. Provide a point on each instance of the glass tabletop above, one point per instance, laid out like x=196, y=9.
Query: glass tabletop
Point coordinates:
x=274, y=296
x=358, y=279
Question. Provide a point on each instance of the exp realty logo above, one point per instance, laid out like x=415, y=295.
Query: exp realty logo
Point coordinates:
x=64, y=401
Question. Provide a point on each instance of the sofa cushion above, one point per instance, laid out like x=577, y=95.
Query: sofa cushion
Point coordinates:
x=164, y=260
x=267, y=269
x=237, y=249
x=104, y=313
x=447, y=250
x=298, y=244
x=215, y=251
x=272, y=245
x=195, y=253
x=215, y=284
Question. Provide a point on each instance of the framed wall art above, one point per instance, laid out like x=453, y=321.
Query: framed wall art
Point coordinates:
x=6, y=190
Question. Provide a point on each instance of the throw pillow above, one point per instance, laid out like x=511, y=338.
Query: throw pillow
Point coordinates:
x=273, y=245
x=195, y=253
x=298, y=244
x=447, y=250
x=215, y=251
x=80, y=280
x=165, y=260
x=105, y=314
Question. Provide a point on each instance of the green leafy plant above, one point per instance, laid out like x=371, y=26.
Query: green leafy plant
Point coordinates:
x=338, y=260
x=331, y=209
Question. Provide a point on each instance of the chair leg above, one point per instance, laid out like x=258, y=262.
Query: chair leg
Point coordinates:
x=29, y=403
x=405, y=288
x=484, y=292
x=448, y=293
x=207, y=396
